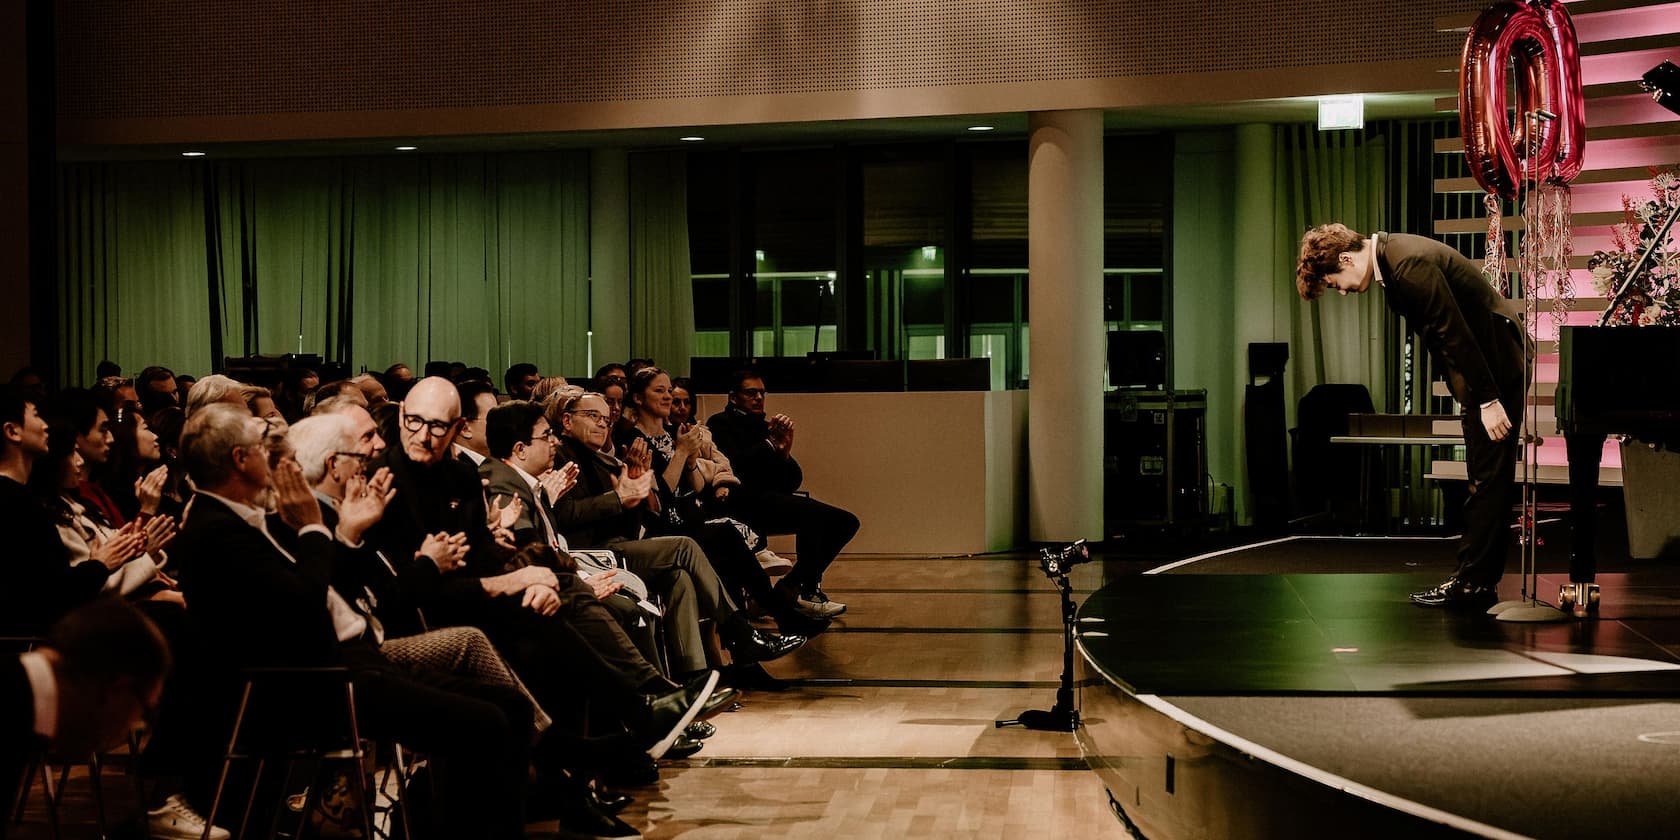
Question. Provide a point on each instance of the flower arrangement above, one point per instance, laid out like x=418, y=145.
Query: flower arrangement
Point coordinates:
x=1655, y=294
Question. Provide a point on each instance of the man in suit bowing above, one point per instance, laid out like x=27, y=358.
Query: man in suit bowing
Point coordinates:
x=1479, y=336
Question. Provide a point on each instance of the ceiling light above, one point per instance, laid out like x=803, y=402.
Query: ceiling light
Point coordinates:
x=407, y=148
x=691, y=138
x=192, y=154
x=981, y=127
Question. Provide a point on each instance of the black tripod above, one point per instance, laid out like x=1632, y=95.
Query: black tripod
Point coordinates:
x=1062, y=717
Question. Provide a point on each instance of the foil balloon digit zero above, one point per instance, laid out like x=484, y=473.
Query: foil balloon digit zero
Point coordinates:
x=1539, y=39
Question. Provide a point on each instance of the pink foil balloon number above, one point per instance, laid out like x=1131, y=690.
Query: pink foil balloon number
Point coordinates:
x=1537, y=40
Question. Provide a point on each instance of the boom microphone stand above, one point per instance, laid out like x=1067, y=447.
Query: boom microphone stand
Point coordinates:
x=1062, y=717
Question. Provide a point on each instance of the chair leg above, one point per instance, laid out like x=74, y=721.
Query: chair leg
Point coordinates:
x=360, y=758
x=96, y=773
x=250, y=802
x=27, y=784
x=134, y=746
x=227, y=763
x=52, y=800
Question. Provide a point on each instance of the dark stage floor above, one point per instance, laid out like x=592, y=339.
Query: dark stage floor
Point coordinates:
x=1307, y=654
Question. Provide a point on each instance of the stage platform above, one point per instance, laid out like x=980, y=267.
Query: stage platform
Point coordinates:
x=1290, y=689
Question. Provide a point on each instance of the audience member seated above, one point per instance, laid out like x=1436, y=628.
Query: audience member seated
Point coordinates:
x=262, y=590
x=688, y=502
x=260, y=402
x=296, y=384
x=561, y=641
x=760, y=450
x=520, y=380
x=106, y=368
x=133, y=553
x=682, y=401
x=216, y=388
x=158, y=388
x=373, y=390
x=167, y=424
x=547, y=388
x=477, y=398
x=77, y=416
x=41, y=584
x=98, y=676
x=523, y=445
x=114, y=392
x=338, y=389
x=135, y=474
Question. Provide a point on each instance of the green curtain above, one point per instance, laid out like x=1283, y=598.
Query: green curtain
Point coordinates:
x=1379, y=178
x=661, y=280
x=477, y=258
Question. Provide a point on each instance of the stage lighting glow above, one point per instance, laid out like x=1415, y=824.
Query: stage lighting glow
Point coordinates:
x=192, y=154
x=407, y=148
x=691, y=138
x=981, y=127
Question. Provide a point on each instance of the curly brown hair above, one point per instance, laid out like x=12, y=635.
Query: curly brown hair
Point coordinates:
x=1321, y=250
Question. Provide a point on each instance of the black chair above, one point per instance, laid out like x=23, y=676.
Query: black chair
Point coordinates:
x=1327, y=485
x=330, y=734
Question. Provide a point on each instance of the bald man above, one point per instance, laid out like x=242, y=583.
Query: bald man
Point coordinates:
x=546, y=622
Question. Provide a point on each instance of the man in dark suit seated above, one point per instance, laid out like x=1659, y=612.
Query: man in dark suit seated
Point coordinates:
x=523, y=445
x=98, y=676
x=1479, y=335
x=760, y=450
x=549, y=624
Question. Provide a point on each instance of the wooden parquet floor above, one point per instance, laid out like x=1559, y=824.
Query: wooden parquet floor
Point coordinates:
x=887, y=732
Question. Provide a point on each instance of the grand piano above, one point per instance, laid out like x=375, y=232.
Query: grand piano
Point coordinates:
x=1611, y=381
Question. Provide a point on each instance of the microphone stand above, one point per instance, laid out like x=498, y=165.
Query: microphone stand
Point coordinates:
x=1062, y=717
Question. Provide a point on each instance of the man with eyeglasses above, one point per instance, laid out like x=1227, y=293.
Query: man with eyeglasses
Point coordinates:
x=760, y=450
x=550, y=626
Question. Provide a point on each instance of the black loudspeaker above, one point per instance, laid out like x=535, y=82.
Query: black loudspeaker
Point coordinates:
x=1154, y=459
x=1266, y=439
x=1137, y=359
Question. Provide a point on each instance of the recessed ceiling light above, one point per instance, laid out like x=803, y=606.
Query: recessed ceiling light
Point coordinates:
x=192, y=154
x=407, y=148
x=981, y=127
x=691, y=139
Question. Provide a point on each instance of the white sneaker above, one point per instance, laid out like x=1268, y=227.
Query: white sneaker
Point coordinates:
x=177, y=820
x=773, y=563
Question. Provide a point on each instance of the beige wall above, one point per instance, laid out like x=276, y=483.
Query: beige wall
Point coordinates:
x=925, y=472
x=251, y=70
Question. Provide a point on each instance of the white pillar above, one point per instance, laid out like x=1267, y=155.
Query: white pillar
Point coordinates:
x=1068, y=345
x=609, y=255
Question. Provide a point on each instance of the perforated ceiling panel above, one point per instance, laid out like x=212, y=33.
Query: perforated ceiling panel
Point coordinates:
x=145, y=58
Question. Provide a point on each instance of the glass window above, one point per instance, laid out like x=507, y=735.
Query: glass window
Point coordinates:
x=795, y=207
x=905, y=206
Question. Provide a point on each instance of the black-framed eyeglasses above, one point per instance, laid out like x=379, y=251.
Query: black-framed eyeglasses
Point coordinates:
x=546, y=434
x=435, y=428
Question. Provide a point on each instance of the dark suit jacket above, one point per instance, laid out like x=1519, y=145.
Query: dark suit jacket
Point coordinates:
x=591, y=515
x=744, y=440
x=40, y=584
x=506, y=481
x=257, y=608
x=357, y=572
x=1476, y=331
x=444, y=497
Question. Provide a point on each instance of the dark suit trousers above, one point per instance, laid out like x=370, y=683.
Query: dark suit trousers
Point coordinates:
x=1492, y=469
x=820, y=530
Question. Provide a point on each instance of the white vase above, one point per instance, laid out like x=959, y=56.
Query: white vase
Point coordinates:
x=1651, y=490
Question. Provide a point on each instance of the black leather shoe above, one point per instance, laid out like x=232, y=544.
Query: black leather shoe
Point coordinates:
x=609, y=802
x=700, y=730
x=749, y=644
x=683, y=748
x=664, y=716
x=1456, y=593
x=719, y=702
x=636, y=771
x=579, y=817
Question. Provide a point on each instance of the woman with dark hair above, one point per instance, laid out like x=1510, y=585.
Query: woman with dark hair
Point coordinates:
x=132, y=553
x=134, y=474
x=296, y=384
x=166, y=424
x=688, y=505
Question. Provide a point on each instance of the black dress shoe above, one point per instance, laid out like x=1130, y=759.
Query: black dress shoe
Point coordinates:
x=609, y=802
x=753, y=677
x=700, y=730
x=579, y=816
x=637, y=771
x=683, y=748
x=749, y=644
x=664, y=716
x=1456, y=593
x=719, y=702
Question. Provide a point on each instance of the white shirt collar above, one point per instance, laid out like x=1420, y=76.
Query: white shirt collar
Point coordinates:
x=1376, y=264
x=253, y=516
x=529, y=479
x=44, y=685
x=462, y=450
